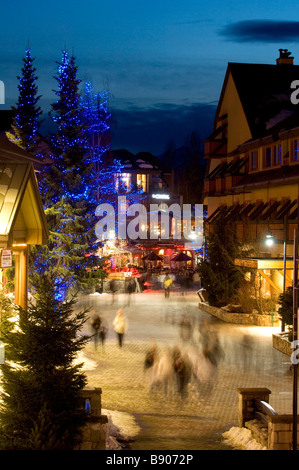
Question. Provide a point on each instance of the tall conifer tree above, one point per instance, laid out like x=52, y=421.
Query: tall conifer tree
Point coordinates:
x=220, y=277
x=66, y=191
x=26, y=113
x=40, y=381
x=68, y=145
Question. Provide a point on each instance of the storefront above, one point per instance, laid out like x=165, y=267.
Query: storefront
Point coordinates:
x=270, y=273
x=22, y=223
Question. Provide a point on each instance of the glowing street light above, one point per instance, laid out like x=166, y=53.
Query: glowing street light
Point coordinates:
x=269, y=239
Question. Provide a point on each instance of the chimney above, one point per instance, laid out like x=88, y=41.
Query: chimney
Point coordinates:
x=284, y=57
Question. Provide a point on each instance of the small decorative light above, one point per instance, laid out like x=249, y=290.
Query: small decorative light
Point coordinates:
x=87, y=405
x=269, y=239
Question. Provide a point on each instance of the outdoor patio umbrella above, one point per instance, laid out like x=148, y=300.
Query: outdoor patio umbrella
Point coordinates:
x=153, y=257
x=181, y=257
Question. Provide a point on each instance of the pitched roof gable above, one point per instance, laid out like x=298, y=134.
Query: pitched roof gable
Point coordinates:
x=21, y=212
x=264, y=91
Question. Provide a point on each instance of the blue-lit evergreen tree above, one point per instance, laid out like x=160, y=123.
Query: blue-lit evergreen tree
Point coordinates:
x=96, y=118
x=105, y=179
x=67, y=193
x=26, y=113
x=80, y=176
x=69, y=148
x=69, y=255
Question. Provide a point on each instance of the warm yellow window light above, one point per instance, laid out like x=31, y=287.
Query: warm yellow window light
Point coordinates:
x=141, y=182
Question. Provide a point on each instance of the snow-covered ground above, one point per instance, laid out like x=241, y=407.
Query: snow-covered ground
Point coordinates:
x=122, y=428
x=205, y=414
x=241, y=439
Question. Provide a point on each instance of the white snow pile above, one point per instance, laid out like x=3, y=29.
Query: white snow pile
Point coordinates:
x=121, y=429
x=241, y=439
x=88, y=364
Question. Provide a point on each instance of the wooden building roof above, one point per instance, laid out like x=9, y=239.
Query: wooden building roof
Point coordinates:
x=22, y=218
x=264, y=91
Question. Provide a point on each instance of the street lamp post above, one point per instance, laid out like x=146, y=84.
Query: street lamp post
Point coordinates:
x=269, y=242
x=284, y=251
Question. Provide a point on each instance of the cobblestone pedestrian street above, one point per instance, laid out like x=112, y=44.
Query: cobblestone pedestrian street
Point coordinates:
x=170, y=422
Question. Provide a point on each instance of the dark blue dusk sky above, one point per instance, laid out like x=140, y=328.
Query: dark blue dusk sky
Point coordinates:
x=163, y=61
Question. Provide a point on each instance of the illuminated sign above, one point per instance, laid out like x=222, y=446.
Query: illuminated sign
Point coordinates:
x=160, y=196
x=6, y=259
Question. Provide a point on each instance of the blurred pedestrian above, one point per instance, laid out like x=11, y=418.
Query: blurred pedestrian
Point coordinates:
x=120, y=326
x=213, y=351
x=96, y=322
x=150, y=356
x=182, y=370
x=205, y=335
x=103, y=333
x=185, y=329
x=167, y=284
x=162, y=372
x=113, y=290
x=130, y=289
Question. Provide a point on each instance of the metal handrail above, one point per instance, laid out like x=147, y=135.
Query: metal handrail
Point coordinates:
x=262, y=409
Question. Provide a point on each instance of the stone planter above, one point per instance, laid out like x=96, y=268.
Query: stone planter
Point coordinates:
x=281, y=342
x=240, y=318
x=94, y=433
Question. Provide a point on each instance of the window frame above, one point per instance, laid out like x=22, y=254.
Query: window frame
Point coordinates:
x=254, y=160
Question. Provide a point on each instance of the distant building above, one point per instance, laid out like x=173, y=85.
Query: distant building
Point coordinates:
x=145, y=172
x=252, y=176
x=153, y=183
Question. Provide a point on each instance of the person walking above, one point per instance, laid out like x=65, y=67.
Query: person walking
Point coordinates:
x=96, y=322
x=103, y=333
x=113, y=290
x=167, y=284
x=185, y=329
x=120, y=326
x=182, y=370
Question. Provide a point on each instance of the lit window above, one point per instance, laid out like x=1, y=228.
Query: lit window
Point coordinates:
x=276, y=154
x=122, y=180
x=141, y=182
x=296, y=149
x=126, y=180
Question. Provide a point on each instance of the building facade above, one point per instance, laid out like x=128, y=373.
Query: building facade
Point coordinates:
x=147, y=181
x=22, y=218
x=252, y=177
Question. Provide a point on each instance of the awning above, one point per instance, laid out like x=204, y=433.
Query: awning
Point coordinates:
x=255, y=212
x=263, y=263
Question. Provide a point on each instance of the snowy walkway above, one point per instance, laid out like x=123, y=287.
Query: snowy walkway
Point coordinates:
x=170, y=422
